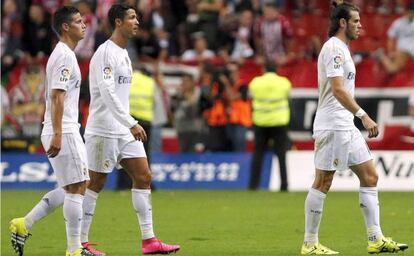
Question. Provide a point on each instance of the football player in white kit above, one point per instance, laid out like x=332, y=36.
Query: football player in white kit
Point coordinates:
x=60, y=136
x=112, y=136
x=339, y=145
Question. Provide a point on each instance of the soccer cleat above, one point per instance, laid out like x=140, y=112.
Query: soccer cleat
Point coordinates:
x=155, y=246
x=385, y=244
x=19, y=235
x=317, y=249
x=79, y=252
x=88, y=247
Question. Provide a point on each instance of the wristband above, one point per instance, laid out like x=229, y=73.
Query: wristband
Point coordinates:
x=360, y=113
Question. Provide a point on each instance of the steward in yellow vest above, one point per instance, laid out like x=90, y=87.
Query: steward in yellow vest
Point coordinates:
x=270, y=100
x=141, y=97
x=271, y=114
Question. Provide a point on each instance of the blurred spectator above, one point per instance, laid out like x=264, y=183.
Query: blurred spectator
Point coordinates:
x=37, y=38
x=243, y=37
x=188, y=26
x=11, y=33
x=199, y=52
x=273, y=32
x=271, y=115
x=102, y=8
x=208, y=17
x=27, y=103
x=213, y=103
x=147, y=45
x=187, y=119
x=385, y=7
x=85, y=47
x=239, y=108
x=50, y=6
x=158, y=19
x=400, y=42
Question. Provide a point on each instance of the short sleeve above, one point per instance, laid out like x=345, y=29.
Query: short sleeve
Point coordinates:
x=393, y=30
x=61, y=73
x=334, y=62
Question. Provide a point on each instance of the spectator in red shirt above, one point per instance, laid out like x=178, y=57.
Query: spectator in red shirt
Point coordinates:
x=273, y=32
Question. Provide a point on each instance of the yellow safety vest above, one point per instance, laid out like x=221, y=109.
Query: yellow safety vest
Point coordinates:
x=270, y=100
x=141, y=96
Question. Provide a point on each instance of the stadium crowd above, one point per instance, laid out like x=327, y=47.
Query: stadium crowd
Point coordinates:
x=221, y=43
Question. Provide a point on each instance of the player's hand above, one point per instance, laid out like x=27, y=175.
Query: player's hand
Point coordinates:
x=138, y=132
x=370, y=126
x=55, y=145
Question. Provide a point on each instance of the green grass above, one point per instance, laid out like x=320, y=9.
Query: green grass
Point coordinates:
x=219, y=223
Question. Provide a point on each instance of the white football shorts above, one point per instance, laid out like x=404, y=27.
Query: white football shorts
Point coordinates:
x=337, y=150
x=71, y=164
x=104, y=153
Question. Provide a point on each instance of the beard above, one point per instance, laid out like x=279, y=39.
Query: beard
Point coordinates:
x=349, y=35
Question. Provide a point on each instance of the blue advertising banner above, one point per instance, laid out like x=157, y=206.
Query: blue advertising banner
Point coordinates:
x=169, y=171
x=205, y=171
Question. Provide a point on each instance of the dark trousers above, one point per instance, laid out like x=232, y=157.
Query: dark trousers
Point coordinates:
x=124, y=181
x=281, y=143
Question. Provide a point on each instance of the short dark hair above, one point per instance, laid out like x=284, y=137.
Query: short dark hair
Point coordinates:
x=340, y=11
x=117, y=11
x=270, y=66
x=63, y=15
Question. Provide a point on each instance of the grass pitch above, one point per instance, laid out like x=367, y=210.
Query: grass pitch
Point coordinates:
x=220, y=223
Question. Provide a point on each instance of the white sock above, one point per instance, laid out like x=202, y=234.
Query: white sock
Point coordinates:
x=369, y=204
x=89, y=204
x=313, y=215
x=142, y=204
x=72, y=212
x=50, y=201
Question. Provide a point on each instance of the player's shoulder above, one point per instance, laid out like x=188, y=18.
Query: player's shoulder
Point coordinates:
x=105, y=52
x=334, y=46
x=62, y=54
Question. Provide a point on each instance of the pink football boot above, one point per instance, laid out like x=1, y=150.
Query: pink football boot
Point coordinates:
x=155, y=246
x=88, y=247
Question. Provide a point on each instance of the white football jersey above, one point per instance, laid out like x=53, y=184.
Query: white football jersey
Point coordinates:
x=334, y=61
x=110, y=75
x=62, y=72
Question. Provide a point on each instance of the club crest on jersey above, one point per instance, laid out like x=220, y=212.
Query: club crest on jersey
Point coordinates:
x=337, y=61
x=107, y=73
x=64, y=75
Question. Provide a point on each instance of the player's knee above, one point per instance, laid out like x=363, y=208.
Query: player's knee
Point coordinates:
x=146, y=177
x=372, y=180
x=97, y=183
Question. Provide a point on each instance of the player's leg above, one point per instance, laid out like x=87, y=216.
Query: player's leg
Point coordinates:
x=20, y=227
x=369, y=204
x=72, y=213
x=95, y=186
x=135, y=163
x=102, y=157
x=327, y=157
x=70, y=167
x=313, y=213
